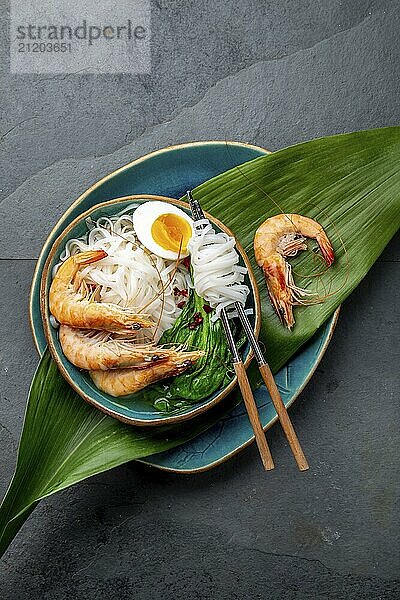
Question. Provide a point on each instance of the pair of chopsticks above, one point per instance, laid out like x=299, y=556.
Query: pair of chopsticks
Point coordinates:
x=266, y=374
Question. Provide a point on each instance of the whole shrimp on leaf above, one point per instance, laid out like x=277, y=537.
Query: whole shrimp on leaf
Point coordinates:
x=72, y=302
x=279, y=237
x=122, y=382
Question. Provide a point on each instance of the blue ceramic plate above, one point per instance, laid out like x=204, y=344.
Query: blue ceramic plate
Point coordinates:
x=170, y=172
x=134, y=409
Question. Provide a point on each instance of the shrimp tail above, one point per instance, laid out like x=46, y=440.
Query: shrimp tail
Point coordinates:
x=89, y=257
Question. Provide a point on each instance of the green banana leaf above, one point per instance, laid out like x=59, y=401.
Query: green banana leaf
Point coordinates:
x=349, y=183
x=65, y=440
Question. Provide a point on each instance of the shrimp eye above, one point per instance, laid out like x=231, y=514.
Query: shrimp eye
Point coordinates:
x=136, y=326
x=281, y=311
x=186, y=363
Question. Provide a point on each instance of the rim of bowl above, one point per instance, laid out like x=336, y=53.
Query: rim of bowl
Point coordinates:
x=48, y=329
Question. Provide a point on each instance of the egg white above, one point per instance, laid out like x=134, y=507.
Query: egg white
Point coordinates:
x=143, y=219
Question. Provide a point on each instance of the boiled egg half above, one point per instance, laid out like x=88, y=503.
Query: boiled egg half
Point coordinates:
x=163, y=228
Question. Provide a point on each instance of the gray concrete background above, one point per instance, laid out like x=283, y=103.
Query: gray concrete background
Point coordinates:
x=270, y=73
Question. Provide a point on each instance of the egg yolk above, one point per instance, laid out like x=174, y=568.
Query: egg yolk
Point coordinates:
x=171, y=232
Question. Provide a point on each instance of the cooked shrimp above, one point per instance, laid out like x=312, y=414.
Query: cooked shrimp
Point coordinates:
x=121, y=382
x=72, y=303
x=95, y=350
x=279, y=237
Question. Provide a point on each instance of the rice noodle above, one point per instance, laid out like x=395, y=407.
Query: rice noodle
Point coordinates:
x=218, y=278
x=130, y=275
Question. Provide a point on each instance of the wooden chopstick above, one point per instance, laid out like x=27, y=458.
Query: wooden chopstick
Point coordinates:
x=244, y=385
x=283, y=416
x=248, y=397
x=272, y=388
x=254, y=417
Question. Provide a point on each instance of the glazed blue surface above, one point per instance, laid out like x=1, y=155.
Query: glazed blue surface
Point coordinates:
x=170, y=173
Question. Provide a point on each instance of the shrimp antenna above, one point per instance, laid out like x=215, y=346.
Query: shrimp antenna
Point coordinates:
x=256, y=185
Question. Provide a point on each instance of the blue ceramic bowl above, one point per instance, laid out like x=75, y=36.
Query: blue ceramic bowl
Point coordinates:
x=132, y=409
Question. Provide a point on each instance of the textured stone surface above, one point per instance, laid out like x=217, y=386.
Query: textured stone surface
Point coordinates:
x=272, y=74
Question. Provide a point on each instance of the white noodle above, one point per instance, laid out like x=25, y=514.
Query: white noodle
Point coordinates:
x=218, y=278
x=129, y=275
